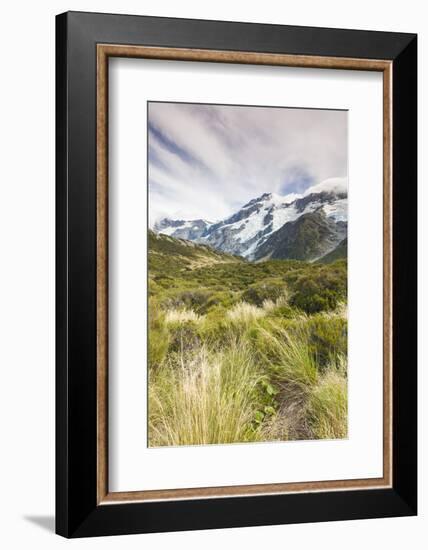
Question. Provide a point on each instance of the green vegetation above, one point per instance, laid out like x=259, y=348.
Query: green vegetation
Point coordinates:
x=243, y=351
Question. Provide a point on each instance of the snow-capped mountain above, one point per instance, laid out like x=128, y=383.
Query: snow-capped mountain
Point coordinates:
x=273, y=226
x=191, y=230
x=310, y=237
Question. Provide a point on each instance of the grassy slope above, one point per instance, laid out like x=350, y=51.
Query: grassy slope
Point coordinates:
x=243, y=351
x=167, y=254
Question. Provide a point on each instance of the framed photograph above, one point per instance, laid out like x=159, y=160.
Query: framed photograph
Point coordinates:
x=236, y=274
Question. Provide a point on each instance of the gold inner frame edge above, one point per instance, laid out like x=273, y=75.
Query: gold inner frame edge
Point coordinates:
x=104, y=51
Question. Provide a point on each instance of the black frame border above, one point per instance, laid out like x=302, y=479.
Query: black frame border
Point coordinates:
x=77, y=512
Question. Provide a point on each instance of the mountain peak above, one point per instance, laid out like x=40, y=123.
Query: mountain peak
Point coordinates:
x=257, y=200
x=273, y=198
x=249, y=228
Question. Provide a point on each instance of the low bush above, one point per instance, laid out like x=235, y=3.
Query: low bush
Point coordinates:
x=328, y=337
x=183, y=336
x=191, y=299
x=265, y=290
x=222, y=299
x=317, y=287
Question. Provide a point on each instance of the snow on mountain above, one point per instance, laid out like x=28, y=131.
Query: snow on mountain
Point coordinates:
x=244, y=232
x=190, y=230
x=337, y=210
x=310, y=237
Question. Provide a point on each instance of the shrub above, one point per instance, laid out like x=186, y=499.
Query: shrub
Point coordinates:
x=221, y=299
x=328, y=337
x=188, y=299
x=153, y=287
x=163, y=281
x=265, y=290
x=183, y=337
x=318, y=289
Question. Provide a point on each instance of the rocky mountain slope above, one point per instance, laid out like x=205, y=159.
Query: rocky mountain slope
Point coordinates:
x=272, y=226
x=340, y=252
x=309, y=237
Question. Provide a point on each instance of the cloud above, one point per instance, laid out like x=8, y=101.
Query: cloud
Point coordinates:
x=336, y=185
x=207, y=160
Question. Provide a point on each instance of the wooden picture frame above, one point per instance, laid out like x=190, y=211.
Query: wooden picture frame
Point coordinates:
x=84, y=504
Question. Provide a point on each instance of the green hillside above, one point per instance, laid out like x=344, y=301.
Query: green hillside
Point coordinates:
x=242, y=351
x=167, y=254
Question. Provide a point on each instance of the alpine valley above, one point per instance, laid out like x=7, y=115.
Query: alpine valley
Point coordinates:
x=309, y=227
x=248, y=324
x=247, y=279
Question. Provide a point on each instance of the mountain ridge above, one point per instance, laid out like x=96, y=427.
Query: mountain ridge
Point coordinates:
x=257, y=230
x=309, y=237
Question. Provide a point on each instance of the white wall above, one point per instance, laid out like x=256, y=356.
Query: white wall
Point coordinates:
x=27, y=271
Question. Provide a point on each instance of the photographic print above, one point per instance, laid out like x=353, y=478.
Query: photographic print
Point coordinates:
x=247, y=274
x=217, y=363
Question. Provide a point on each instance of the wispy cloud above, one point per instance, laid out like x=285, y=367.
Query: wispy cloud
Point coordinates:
x=207, y=160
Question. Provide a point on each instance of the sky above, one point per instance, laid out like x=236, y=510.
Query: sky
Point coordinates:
x=207, y=161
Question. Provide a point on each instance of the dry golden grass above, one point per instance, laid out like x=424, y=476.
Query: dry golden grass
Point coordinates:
x=181, y=316
x=245, y=313
x=203, y=398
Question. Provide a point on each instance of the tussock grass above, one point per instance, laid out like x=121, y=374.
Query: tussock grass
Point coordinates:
x=342, y=309
x=242, y=352
x=181, y=316
x=290, y=357
x=327, y=408
x=245, y=313
x=268, y=305
x=271, y=305
x=204, y=398
x=313, y=399
x=214, y=394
